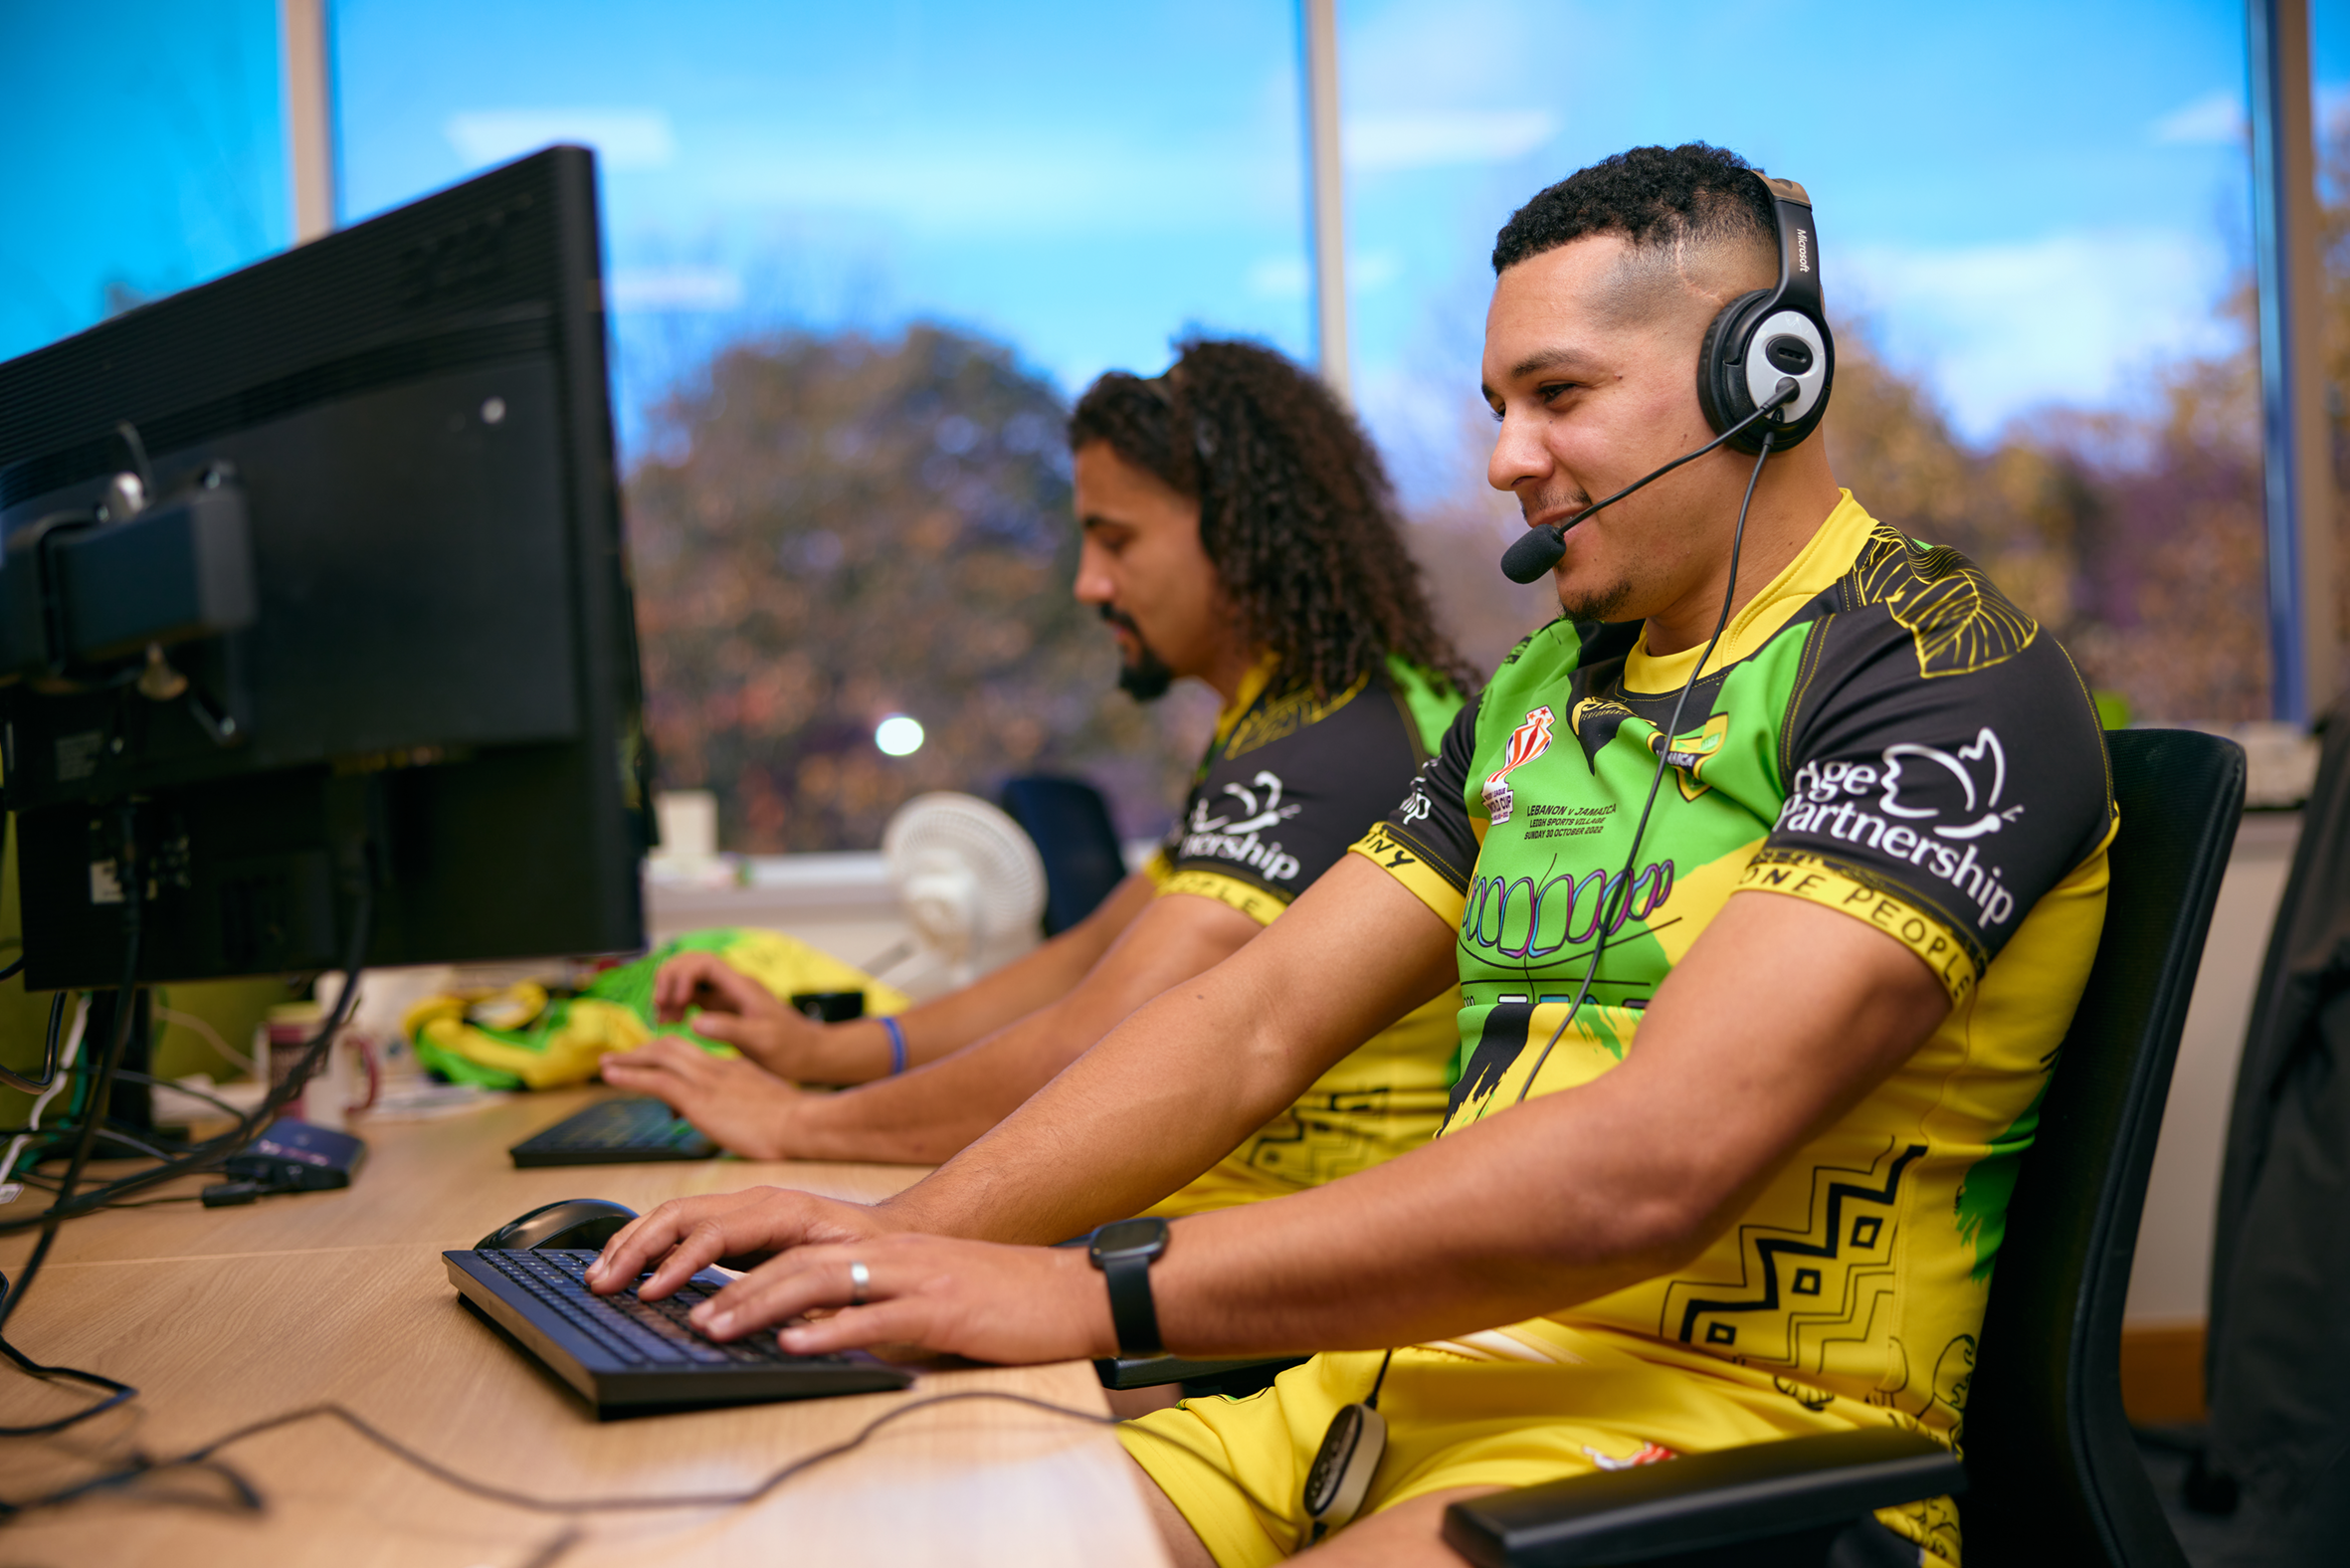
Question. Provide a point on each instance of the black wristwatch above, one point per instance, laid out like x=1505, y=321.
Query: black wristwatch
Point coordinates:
x=1123, y=1251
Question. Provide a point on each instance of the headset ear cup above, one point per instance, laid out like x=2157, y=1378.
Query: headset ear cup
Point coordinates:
x=1721, y=389
x=1795, y=432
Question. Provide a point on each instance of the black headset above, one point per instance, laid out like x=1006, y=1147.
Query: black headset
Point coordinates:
x=1771, y=334
x=1766, y=363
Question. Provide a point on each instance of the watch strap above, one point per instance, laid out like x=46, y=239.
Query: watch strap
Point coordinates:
x=1131, y=1311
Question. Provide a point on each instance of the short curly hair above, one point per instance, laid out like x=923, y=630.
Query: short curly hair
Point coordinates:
x=1649, y=195
x=1295, y=510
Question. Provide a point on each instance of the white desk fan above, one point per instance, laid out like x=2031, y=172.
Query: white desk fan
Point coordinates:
x=970, y=881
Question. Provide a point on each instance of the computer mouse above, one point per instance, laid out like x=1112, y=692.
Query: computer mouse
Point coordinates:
x=568, y=1223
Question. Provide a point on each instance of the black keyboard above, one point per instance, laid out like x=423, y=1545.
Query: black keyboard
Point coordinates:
x=625, y=1131
x=637, y=1332
x=622, y=1353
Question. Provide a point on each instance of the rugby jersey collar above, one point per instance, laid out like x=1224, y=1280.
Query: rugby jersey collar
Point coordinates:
x=1251, y=687
x=1832, y=550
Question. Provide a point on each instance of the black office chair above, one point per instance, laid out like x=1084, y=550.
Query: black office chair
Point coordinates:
x=2051, y=1475
x=1069, y=823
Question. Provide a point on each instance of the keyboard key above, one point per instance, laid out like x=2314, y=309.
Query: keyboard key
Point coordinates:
x=633, y=1331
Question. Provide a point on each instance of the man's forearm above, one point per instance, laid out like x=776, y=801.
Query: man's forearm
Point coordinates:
x=1186, y=1078
x=1443, y=1240
x=932, y=1113
x=1162, y=1138
x=1004, y=995
x=1576, y=1194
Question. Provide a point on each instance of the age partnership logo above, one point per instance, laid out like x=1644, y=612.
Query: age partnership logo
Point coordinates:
x=1236, y=835
x=1928, y=803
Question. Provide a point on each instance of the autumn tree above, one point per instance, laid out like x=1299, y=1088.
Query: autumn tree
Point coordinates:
x=840, y=528
x=2133, y=535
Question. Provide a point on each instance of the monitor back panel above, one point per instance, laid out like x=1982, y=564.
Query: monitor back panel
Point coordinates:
x=445, y=656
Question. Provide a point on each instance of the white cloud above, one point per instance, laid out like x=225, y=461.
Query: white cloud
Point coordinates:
x=1280, y=277
x=1007, y=186
x=1450, y=54
x=673, y=289
x=2076, y=317
x=624, y=138
x=1440, y=138
x=2218, y=119
x=2215, y=120
x=1290, y=278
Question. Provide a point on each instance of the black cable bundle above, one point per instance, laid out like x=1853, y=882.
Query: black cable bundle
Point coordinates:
x=71, y=1204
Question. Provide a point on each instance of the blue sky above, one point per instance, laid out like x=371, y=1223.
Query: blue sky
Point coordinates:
x=148, y=169
x=2026, y=202
x=1081, y=181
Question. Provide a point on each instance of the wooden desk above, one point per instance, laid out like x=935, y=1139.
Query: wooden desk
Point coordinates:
x=225, y=1316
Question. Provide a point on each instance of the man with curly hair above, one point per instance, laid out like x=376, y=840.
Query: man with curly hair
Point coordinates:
x=1754, y=1188
x=1239, y=531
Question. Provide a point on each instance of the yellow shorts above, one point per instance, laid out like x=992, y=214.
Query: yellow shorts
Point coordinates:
x=1236, y=1468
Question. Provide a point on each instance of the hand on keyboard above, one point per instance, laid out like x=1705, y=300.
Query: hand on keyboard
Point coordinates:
x=687, y=1235
x=737, y=1105
x=623, y=1326
x=737, y=1010
x=940, y=1293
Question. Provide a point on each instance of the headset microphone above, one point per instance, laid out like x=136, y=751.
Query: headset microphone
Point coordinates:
x=1542, y=546
x=1536, y=551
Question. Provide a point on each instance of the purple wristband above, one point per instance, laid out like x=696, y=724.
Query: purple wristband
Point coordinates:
x=896, y=1046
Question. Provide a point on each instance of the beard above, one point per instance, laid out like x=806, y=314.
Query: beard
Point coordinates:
x=1145, y=676
x=1595, y=604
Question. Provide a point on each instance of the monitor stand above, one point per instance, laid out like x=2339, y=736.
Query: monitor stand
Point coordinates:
x=132, y=1104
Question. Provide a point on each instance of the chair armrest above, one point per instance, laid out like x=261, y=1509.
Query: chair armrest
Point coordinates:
x=1151, y=1371
x=1700, y=1500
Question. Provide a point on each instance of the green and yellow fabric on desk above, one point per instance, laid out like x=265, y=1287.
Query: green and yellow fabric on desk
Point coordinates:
x=519, y=1038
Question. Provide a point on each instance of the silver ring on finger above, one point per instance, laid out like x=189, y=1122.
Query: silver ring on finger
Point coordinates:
x=859, y=1282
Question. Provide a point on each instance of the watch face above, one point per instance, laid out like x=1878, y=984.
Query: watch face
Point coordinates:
x=1126, y=1236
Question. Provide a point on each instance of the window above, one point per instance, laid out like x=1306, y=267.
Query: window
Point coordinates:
x=146, y=153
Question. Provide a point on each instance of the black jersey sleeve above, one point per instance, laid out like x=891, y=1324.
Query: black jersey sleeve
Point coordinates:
x=1426, y=841
x=1935, y=787
x=1295, y=785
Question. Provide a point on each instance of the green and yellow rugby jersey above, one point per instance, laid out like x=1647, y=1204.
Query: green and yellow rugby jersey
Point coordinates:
x=1883, y=733
x=1288, y=781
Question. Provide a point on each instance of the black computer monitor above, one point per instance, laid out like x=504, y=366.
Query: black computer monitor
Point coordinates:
x=356, y=636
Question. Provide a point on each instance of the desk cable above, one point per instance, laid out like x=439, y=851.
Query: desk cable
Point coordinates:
x=101, y=1089
x=248, y=1498
x=53, y=1079
x=49, y=1218
x=250, y=1126
x=70, y=1203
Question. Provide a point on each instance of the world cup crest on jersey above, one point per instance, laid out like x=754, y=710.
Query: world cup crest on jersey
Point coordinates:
x=1526, y=742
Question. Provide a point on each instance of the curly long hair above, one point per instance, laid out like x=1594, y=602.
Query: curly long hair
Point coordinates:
x=1295, y=510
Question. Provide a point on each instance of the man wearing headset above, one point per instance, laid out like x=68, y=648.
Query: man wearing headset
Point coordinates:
x=1755, y=1185
x=1237, y=530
